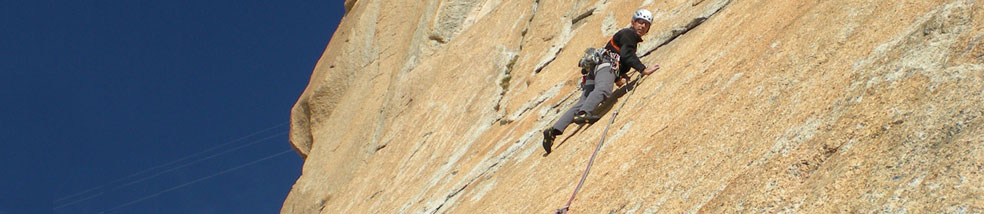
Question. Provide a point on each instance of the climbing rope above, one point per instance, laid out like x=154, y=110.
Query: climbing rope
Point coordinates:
x=598, y=148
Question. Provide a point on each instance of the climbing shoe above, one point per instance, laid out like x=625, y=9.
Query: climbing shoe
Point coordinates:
x=548, y=137
x=583, y=117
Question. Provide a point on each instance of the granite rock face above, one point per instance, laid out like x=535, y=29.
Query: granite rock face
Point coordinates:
x=436, y=106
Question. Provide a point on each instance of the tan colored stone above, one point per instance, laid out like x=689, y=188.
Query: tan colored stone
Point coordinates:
x=761, y=106
x=349, y=4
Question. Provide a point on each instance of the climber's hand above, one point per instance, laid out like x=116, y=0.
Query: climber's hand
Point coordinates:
x=650, y=70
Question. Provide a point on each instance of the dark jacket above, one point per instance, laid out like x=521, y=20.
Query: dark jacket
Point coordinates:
x=627, y=40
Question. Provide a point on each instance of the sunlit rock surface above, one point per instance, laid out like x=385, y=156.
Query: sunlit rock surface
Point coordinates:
x=427, y=106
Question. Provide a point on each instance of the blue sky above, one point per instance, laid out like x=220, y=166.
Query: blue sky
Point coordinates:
x=153, y=106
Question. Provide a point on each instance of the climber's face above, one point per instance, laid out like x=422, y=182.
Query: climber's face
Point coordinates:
x=640, y=26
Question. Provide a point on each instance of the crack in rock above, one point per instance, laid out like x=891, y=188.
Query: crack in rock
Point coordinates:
x=555, y=49
x=495, y=166
x=534, y=103
x=584, y=15
x=505, y=79
x=528, y=23
x=566, y=34
x=679, y=31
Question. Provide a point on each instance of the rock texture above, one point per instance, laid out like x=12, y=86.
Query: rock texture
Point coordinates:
x=435, y=106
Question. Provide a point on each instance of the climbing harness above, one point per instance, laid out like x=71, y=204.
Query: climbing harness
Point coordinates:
x=594, y=57
x=612, y=42
x=601, y=142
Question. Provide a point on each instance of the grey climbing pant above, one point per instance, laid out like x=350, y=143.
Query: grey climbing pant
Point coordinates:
x=596, y=88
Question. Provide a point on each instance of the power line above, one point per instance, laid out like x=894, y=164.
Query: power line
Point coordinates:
x=170, y=170
x=172, y=162
x=164, y=171
x=197, y=180
x=57, y=201
x=199, y=160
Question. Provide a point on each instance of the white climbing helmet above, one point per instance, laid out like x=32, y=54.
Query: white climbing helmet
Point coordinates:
x=644, y=15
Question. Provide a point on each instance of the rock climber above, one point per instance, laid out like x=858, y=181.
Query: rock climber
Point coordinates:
x=598, y=83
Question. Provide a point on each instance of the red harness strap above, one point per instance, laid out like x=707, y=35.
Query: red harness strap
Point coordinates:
x=612, y=42
x=615, y=57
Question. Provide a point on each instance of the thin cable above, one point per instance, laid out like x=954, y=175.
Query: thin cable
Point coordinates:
x=172, y=162
x=59, y=200
x=170, y=170
x=197, y=180
x=199, y=160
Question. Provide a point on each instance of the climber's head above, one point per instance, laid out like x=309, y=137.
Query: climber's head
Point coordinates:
x=641, y=21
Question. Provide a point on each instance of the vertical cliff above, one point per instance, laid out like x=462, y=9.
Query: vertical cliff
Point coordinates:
x=436, y=106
